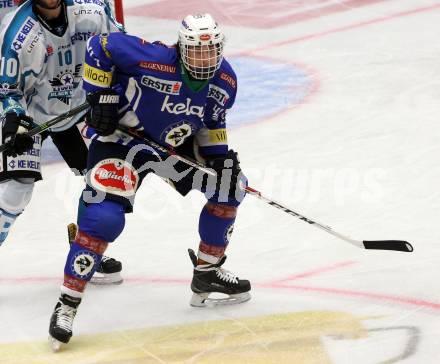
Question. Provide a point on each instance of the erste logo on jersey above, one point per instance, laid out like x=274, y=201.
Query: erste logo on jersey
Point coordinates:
x=8, y=4
x=218, y=94
x=182, y=108
x=81, y=36
x=163, y=86
x=115, y=176
x=20, y=38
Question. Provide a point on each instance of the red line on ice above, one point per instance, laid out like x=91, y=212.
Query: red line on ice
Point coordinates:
x=350, y=293
x=314, y=272
x=341, y=29
x=258, y=14
x=409, y=301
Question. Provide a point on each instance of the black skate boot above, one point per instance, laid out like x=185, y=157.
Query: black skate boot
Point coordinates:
x=211, y=278
x=108, y=272
x=61, y=321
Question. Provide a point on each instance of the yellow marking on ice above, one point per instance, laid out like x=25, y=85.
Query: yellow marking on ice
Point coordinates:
x=281, y=339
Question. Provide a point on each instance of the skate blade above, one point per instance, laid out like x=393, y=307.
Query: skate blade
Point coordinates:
x=203, y=300
x=102, y=279
x=54, y=344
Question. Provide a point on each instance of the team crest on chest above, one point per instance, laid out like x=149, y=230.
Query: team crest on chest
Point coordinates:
x=176, y=135
x=64, y=83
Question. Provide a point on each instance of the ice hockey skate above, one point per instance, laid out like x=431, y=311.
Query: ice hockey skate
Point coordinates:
x=211, y=279
x=108, y=272
x=61, y=321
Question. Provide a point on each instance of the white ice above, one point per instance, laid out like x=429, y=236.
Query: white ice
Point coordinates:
x=360, y=153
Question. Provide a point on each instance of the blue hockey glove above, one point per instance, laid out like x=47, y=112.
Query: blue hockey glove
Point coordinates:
x=103, y=115
x=14, y=129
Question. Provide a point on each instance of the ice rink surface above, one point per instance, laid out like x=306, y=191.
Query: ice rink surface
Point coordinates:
x=337, y=116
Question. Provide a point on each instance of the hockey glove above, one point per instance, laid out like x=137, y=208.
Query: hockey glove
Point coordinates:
x=103, y=115
x=14, y=129
x=230, y=179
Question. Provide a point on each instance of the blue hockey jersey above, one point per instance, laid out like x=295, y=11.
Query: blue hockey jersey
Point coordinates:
x=156, y=99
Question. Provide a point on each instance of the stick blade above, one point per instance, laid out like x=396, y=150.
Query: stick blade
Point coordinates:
x=399, y=245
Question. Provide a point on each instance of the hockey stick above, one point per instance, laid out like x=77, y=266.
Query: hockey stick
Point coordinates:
x=193, y=163
x=48, y=124
x=398, y=245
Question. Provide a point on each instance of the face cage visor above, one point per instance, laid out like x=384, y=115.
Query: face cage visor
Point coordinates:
x=202, y=61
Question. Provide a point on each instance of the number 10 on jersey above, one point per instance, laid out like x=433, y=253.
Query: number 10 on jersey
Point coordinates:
x=65, y=58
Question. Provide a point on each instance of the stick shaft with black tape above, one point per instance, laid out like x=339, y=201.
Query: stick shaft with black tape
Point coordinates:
x=399, y=245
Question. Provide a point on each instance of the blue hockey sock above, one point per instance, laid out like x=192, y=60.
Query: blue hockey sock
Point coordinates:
x=84, y=257
x=215, y=227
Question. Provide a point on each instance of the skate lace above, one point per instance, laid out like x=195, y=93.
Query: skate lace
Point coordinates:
x=65, y=316
x=226, y=275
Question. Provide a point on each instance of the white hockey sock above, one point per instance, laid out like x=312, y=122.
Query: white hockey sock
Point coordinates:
x=71, y=292
x=6, y=221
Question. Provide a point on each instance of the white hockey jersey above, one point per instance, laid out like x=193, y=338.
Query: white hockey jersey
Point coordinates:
x=6, y=6
x=40, y=72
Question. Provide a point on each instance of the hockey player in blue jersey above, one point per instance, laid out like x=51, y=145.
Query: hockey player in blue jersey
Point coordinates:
x=177, y=96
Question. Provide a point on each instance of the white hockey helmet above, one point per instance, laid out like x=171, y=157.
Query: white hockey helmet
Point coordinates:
x=201, y=45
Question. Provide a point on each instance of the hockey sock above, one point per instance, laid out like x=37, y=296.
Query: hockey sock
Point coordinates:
x=215, y=228
x=82, y=261
x=6, y=221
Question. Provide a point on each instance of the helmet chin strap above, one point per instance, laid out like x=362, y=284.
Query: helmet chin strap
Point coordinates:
x=44, y=6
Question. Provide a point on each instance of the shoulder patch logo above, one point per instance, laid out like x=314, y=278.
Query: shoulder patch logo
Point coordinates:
x=225, y=77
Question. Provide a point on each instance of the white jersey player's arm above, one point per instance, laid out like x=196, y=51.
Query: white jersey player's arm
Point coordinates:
x=5, y=19
x=7, y=7
x=12, y=73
